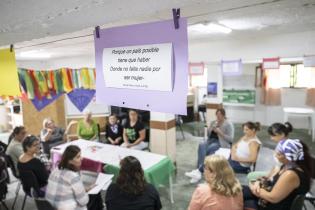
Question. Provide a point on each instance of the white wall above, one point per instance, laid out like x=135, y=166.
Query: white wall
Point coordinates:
x=264, y=114
x=71, y=62
x=287, y=45
x=252, y=51
x=249, y=50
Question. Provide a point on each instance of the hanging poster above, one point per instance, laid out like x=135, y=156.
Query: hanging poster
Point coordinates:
x=145, y=67
x=271, y=63
x=196, y=68
x=167, y=94
x=231, y=67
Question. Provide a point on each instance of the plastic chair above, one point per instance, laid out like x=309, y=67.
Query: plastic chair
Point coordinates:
x=99, y=132
x=14, y=172
x=41, y=203
x=29, y=182
x=179, y=122
x=254, y=163
x=298, y=203
x=310, y=197
x=3, y=187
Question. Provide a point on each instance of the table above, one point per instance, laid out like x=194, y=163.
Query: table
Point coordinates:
x=158, y=169
x=4, y=137
x=302, y=112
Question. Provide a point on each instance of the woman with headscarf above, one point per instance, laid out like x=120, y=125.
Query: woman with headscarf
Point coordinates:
x=296, y=169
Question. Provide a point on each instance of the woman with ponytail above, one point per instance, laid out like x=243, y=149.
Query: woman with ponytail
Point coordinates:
x=245, y=152
x=278, y=132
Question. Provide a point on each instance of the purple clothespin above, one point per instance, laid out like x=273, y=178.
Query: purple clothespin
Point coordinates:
x=176, y=16
x=97, y=31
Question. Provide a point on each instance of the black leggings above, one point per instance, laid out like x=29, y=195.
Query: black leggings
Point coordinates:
x=250, y=200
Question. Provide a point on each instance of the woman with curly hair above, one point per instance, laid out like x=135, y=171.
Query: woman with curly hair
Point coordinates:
x=131, y=191
x=221, y=191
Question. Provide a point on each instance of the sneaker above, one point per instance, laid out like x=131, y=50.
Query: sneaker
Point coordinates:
x=194, y=180
x=194, y=174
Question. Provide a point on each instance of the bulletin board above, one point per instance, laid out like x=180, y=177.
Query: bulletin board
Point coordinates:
x=233, y=96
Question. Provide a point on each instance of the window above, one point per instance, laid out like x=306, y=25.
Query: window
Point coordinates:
x=294, y=76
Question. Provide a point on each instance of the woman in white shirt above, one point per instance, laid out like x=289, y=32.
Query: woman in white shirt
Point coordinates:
x=244, y=152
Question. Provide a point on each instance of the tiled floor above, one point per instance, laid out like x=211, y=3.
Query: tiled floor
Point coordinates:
x=186, y=160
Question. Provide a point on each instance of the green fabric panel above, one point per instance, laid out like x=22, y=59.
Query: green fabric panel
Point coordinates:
x=256, y=174
x=29, y=84
x=156, y=175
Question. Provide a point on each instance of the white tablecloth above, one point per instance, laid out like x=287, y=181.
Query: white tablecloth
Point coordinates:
x=109, y=154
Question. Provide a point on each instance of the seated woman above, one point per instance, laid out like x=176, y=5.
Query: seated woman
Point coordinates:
x=114, y=131
x=244, y=152
x=131, y=190
x=221, y=134
x=296, y=169
x=277, y=132
x=15, y=148
x=29, y=162
x=87, y=128
x=221, y=191
x=65, y=190
x=134, y=132
x=51, y=135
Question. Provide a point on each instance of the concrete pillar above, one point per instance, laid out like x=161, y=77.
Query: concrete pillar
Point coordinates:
x=163, y=134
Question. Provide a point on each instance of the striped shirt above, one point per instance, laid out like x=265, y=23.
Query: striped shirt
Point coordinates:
x=65, y=190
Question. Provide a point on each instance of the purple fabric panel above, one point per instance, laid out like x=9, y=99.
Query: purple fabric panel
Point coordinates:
x=149, y=33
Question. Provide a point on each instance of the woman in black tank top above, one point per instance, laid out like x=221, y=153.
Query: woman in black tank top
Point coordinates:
x=293, y=178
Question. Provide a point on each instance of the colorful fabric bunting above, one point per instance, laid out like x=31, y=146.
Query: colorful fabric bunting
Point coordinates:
x=81, y=98
x=43, y=87
x=40, y=104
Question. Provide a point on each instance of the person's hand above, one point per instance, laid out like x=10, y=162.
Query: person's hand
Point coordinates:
x=49, y=130
x=255, y=188
x=217, y=130
x=72, y=122
x=87, y=189
x=129, y=145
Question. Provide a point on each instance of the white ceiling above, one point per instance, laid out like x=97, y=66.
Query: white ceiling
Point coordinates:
x=31, y=22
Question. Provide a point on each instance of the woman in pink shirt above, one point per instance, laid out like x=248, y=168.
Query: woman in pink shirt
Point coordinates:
x=221, y=191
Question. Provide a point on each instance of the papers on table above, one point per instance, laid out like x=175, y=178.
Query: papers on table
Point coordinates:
x=102, y=183
x=225, y=152
x=109, y=154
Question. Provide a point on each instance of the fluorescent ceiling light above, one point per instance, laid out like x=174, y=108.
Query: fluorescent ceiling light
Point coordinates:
x=34, y=54
x=243, y=24
x=209, y=28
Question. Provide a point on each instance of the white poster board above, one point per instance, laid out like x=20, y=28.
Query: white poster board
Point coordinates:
x=96, y=109
x=142, y=67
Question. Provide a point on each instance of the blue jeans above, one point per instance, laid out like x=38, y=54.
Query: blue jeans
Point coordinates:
x=238, y=168
x=250, y=200
x=206, y=148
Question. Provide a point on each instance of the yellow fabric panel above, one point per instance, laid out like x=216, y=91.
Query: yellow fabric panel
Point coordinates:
x=9, y=80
